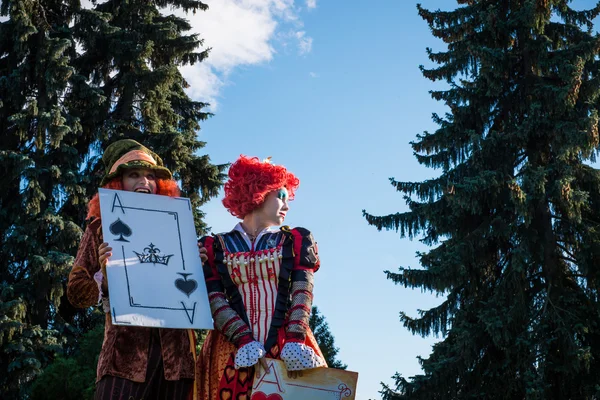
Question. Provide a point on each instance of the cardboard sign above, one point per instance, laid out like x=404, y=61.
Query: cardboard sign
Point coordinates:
x=155, y=276
x=315, y=384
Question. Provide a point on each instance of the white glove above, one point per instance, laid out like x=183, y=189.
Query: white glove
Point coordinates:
x=298, y=356
x=249, y=354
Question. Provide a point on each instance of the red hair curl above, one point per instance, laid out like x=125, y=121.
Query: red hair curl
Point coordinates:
x=164, y=187
x=251, y=180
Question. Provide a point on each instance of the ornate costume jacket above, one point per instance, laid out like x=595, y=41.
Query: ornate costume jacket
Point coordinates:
x=268, y=284
x=259, y=291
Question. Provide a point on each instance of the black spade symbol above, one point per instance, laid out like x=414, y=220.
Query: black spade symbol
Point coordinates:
x=120, y=228
x=187, y=286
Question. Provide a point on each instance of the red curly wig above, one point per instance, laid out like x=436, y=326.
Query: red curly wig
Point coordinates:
x=251, y=180
x=164, y=187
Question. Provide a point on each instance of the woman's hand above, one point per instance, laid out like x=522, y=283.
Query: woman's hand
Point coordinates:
x=104, y=253
x=261, y=365
x=298, y=356
x=202, y=250
x=294, y=374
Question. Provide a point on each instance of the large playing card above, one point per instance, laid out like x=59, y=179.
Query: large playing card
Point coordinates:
x=155, y=274
x=315, y=384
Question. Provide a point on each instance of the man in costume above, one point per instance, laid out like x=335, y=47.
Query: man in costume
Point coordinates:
x=135, y=363
x=259, y=279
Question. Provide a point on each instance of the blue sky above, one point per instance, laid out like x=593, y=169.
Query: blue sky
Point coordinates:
x=331, y=89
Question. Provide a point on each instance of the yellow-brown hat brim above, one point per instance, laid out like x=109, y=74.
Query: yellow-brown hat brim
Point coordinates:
x=160, y=172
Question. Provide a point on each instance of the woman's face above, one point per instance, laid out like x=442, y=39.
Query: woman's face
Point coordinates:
x=141, y=180
x=275, y=207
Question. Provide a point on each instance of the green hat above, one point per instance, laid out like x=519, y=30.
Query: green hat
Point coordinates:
x=126, y=154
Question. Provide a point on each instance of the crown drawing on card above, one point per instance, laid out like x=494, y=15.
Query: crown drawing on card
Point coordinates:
x=152, y=255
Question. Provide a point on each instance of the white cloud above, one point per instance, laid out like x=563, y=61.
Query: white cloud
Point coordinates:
x=304, y=42
x=241, y=33
x=313, y=74
x=205, y=84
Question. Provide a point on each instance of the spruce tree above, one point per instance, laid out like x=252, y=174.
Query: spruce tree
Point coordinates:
x=513, y=219
x=131, y=53
x=73, y=377
x=38, y=178
x=325, y=339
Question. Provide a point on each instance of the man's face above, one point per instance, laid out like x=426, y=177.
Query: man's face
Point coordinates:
x=140, y=180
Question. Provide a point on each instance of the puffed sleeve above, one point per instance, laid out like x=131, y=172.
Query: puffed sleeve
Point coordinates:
x=306, y=262
x=306, y=248
x=211, y=275
x=82, y=288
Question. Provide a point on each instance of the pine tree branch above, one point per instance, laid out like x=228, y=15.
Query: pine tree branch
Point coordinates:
x=578, y=275
x=42, y=14
x=563, y=248
x=568, y=259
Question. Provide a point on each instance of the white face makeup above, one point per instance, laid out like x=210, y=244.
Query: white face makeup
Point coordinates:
x=275, y=207
x=140, y=180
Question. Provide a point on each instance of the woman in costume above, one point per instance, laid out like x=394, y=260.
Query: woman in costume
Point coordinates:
x=135, y=363
x=259, y=279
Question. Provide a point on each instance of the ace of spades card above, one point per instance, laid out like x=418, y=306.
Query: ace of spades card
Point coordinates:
x=155, y=274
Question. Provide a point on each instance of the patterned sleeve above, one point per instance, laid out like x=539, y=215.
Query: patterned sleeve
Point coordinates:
x=226, y=319
x=82, y=289
x=306, y=262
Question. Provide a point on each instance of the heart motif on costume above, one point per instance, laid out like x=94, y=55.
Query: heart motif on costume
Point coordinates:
x=187, y=286
x=229, y=373
x=242, y=396
x=225, y=394
x=263, y=396
x=242, y=376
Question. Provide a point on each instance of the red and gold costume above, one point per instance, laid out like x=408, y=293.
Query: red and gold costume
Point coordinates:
x=260, y=292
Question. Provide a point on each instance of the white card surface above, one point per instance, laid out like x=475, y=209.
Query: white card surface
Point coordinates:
x=315, y=384
x=155, y=276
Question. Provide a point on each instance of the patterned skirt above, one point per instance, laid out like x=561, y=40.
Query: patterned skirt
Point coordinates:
x=216, y=376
